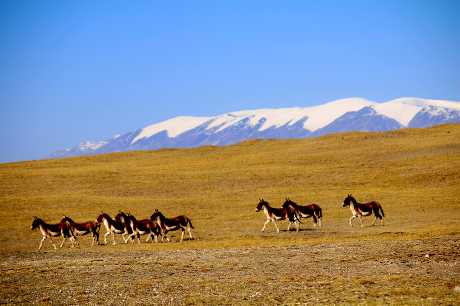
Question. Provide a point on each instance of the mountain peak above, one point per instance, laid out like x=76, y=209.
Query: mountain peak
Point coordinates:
x=339, y=115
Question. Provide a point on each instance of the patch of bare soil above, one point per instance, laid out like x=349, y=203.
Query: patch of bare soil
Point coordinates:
x=410, y=272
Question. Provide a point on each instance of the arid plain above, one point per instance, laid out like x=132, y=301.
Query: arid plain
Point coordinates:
x=413, y=259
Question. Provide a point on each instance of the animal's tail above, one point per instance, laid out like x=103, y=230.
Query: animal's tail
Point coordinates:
x=320, y=213
x=381, y=210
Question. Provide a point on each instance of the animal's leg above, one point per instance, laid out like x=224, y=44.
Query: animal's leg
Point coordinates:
x=105, y=237
x=375, y=220
x=351, y=219
x=319, y=222
x=113, y=238
x=189, y=232
x=315, y=220
x=62, y=243
x=265, y=224
x=125, y=240
x=277, y=228
x=41, y=243
x=72, y=241
x=149, y=236
x=298, y=226
x=182, y=235
x=289, y=226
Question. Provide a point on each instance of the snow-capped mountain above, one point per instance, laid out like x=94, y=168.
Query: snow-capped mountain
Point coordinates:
x=353, y=114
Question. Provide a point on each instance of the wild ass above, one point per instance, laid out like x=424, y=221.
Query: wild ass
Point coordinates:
x=305, y=211
x=62, y=229
x=363, y=209
x=166, y=225
x=276, y=214
x=143, y=227
x=81, y=229
x=112, y=227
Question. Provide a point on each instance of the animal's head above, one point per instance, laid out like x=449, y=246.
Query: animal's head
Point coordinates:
x=129, y=216
x=287, y=203
x=101, y=217
x=157, y=216
x=36, y=223
x=261, y=204
x=121, y=217
x=66, y=219
x=347, y=200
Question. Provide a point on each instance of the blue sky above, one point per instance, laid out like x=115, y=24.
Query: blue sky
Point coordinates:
x=77, y=70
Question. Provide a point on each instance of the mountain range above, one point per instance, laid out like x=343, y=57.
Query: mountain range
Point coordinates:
x=352, y=114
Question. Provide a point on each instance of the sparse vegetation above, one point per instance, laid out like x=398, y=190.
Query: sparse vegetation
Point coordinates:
x=413, y=173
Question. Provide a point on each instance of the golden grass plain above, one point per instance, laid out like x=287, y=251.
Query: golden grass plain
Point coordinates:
x=414, y=173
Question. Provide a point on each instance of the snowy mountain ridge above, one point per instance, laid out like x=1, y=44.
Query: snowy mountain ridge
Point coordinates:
x=352, y=114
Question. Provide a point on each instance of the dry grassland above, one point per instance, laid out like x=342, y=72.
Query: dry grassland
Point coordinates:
x=413, y=259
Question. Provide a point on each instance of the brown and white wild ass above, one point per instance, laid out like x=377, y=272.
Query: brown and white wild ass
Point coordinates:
x=124, y=219
x=62, y=229
x=276, y=214
x=305, y=211
x=81, y=229
x=363, y=209
x=166, y=225
x=143, y=227
x=112, y=227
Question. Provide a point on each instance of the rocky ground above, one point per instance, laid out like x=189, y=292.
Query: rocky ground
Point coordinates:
x=422, y=271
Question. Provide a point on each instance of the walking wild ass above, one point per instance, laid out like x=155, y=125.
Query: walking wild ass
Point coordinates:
x=166, y=225
x=277, y=214
x=62, y=229
x=305, y=211
x=81, y=229
x=112, y=227
x=363, y=209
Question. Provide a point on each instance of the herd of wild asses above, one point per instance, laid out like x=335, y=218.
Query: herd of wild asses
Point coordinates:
x=126, y=225
x=123, y=224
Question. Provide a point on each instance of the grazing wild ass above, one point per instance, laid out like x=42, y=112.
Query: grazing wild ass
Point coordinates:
x=363, y=209
x=276, y=214
x=81, y=229
x=61, y=229
x=305, y=211
x=166, y=225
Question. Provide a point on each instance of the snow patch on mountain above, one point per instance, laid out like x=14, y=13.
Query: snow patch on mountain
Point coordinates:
x=173, y=127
